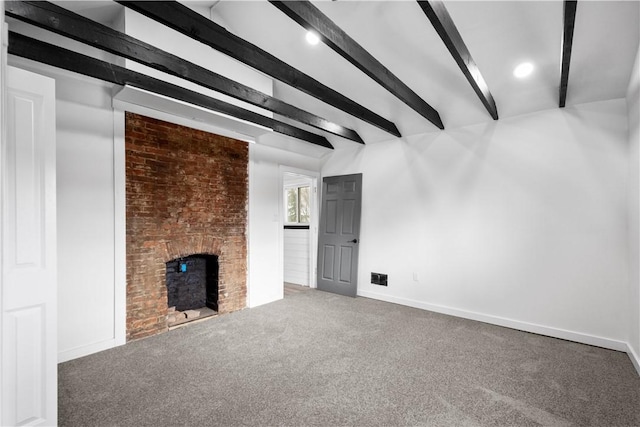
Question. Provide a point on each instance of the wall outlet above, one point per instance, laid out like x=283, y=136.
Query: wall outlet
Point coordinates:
x=379, y=279
x=415, y=276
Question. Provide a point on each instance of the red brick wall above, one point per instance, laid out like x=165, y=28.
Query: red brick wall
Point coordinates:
x=187, y=193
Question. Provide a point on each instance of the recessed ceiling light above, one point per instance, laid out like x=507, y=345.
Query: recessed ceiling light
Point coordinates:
x=312, y=38
x=523, y=70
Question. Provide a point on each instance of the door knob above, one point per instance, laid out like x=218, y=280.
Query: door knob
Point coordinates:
x=353, y=241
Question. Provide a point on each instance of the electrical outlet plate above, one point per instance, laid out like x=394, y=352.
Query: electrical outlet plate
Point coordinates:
x=383, y=279
x=379, y=279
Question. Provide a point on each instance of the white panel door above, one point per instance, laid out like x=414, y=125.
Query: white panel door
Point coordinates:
x=29, y=323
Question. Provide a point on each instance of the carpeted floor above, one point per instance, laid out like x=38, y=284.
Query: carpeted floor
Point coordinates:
x=316, y=358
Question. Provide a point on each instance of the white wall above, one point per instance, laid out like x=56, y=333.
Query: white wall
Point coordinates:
x=633, y=101
x=3, y=130
x=86, y=222
x=265, y=220
x=519, y=222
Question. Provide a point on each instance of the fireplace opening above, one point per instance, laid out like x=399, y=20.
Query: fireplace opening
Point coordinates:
x=192, y=288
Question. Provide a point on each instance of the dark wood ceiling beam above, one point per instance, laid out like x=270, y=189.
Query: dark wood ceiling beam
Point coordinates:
x=567, y=43
x=56, y=56
x=64, y=22
x=186, y=21
x=446, y=29
x=311, y=18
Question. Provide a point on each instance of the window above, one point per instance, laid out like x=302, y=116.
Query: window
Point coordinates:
x=297, y=205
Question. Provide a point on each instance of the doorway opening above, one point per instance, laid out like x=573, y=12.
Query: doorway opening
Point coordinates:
x=299, y=219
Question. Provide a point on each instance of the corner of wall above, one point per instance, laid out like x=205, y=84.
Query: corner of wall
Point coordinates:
x=120, y=232
x=633, y=110
x=635, y=358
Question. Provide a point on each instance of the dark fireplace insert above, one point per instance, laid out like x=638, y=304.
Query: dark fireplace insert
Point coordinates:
x=192, y=283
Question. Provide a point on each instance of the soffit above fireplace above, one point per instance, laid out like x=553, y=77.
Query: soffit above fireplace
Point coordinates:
x=163, y=108
x=149, y=104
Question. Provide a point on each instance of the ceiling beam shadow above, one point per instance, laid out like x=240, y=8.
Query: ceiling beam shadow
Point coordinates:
x=186, y=21
x=569, y=20
x=311, y=18
x=66, y=23
x=56, y=56
x=446, y=29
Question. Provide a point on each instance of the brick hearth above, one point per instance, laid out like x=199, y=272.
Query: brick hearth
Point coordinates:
x=187, y=193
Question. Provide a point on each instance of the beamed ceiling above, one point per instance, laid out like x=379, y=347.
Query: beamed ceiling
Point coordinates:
x=384, y=69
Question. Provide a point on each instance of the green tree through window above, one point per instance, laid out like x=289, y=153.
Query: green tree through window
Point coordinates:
x=292, y=205
x=297, y=205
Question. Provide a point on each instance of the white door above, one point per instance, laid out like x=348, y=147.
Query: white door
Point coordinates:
x=29, y=325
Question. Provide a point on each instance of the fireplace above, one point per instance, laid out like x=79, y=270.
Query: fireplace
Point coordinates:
x=192, y=288
x=186, y=199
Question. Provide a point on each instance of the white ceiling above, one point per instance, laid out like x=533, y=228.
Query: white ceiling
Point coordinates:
x=499, y=35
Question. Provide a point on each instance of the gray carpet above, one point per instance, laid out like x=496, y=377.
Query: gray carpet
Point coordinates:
x=320, y=359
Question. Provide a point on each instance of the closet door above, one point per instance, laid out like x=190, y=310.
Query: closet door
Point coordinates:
x=29, y=312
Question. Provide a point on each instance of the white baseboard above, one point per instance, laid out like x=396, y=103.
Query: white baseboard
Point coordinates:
x=635, y=359
x=74, y=353
x=509, y=323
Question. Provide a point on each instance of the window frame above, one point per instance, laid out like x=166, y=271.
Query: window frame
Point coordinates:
x=297, y=187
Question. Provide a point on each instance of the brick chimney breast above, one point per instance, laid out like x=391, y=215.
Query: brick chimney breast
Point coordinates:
x=186, y=194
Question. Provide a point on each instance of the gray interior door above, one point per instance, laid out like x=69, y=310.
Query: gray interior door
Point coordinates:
x=339, y=234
